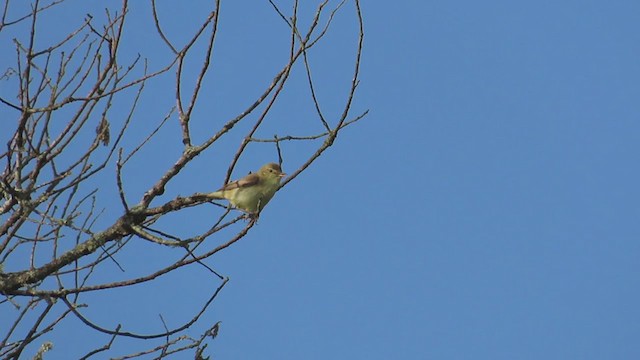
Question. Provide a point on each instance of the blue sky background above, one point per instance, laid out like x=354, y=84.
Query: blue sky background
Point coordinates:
x=487, y=207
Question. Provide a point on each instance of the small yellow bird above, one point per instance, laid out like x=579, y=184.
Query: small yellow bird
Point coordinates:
x=252, y=192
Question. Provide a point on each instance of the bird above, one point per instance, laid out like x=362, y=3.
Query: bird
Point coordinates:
x=252, y=192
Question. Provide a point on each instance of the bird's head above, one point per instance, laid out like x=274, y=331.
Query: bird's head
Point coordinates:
x=272, y=170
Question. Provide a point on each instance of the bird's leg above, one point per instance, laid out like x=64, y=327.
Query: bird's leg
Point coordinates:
x=254, y=215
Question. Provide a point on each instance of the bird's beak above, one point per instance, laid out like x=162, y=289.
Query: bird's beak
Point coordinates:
x=282, y=175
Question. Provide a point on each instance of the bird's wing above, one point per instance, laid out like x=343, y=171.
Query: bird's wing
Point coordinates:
x=248, y=180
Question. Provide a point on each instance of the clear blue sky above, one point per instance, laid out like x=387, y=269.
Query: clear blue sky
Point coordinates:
x=487, y=208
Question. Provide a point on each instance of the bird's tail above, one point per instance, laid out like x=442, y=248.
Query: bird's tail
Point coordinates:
x=217, y=195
